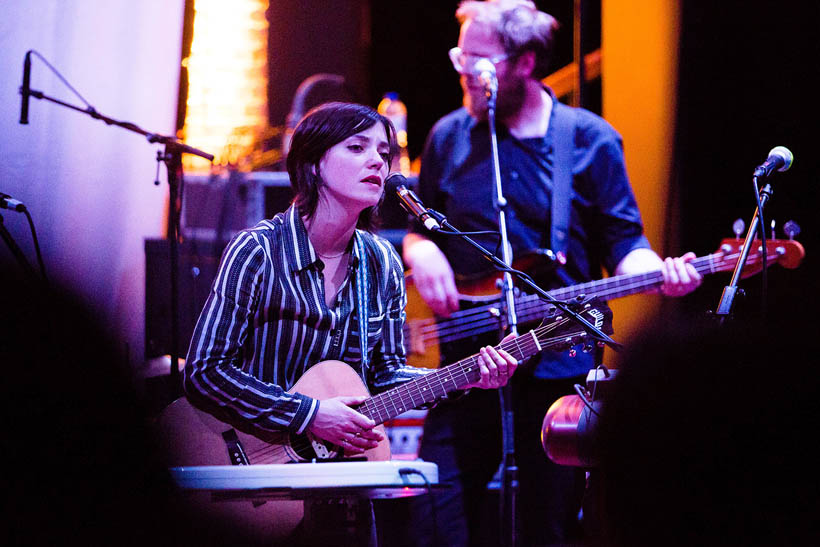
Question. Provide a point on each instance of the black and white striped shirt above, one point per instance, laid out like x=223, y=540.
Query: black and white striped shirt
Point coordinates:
x=266, y=322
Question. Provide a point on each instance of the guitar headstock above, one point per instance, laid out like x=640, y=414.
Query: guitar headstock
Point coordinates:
x=786, y=252
x=558, y=331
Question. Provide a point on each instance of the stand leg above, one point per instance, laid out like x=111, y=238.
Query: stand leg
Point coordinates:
x=509, y=471
x=173, y=162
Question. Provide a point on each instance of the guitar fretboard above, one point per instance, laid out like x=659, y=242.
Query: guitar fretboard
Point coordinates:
x=530, y=307
x=436, y=385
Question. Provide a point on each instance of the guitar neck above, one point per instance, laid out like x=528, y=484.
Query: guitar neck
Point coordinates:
x=628, y=284
x=436, y=385
x=479, y=318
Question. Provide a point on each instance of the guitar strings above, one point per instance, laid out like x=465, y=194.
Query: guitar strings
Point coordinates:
x=446, y=374
x=524, y=346
x=474, y=320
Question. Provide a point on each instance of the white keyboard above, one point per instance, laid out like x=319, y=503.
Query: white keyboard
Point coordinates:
x=385, y=479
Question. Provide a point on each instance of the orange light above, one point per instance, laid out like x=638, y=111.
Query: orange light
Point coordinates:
x=227, y=80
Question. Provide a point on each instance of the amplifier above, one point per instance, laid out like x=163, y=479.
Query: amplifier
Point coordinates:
x=215, y=207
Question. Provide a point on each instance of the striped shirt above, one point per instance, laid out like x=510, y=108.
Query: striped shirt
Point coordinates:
x=266, y=322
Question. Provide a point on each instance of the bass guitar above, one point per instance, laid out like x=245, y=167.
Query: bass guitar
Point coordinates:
x=481, y=301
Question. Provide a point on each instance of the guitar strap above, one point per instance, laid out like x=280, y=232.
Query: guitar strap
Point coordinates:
x=563, y=121
x=235, y=450
x=362, y=290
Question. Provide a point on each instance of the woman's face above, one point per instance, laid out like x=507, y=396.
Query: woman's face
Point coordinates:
x=353, y=171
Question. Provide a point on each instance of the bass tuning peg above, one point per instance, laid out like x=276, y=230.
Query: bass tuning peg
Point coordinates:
x=791, y=229
x=738, y=226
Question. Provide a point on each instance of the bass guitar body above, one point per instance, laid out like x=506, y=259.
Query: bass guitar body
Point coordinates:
x=192, y=437
x=431, y=340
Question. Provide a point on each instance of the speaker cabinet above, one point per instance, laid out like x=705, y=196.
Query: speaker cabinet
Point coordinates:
x=198, y=261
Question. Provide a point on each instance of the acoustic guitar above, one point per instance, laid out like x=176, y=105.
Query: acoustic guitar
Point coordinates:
x=193, y=437
x=481, y=302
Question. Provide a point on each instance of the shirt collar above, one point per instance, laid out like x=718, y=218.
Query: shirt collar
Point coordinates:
x=306, y=255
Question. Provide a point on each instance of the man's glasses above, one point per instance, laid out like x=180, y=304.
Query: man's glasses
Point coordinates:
x=464, y=63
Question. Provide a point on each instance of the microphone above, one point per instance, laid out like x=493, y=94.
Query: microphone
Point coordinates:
x=8, y=202
x=411, y=203
x=780, y=158
x=25, y=89
x=486, y=73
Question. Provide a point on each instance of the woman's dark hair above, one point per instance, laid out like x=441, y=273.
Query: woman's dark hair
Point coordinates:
x=322, y=128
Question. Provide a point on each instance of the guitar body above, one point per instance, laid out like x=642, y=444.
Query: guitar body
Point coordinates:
x=192, y=437
x=567, y=433
x=423, y=346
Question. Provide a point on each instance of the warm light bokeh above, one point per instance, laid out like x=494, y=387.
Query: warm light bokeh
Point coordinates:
x=639, y=44
x=227, y=80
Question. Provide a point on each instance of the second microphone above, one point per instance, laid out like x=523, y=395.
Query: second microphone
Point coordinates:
x=411, y=203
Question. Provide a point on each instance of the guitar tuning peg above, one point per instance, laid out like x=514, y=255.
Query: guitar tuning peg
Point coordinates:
x=738, y=226
x=791, y=229
x=573, y=352
x=773, y=234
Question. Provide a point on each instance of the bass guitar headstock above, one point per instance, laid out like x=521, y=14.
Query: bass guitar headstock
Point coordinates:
x=786, y=252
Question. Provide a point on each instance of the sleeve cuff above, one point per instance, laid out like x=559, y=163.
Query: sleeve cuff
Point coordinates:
x=308, y=408
x=623, y=248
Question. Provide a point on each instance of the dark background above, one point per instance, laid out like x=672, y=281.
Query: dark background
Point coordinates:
x=382, y=46
x=746, y=84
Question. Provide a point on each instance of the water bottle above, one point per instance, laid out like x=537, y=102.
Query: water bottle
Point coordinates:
x=394, y=110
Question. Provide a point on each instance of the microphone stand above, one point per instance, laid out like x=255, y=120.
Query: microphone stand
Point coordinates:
x=172, y=157
x=508, y=510
x=724, y=308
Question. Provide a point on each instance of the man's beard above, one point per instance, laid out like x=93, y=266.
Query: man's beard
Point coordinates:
x=509, y=99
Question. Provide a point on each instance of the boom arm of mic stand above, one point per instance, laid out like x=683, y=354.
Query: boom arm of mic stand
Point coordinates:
x=152, y=137
x=501, y=266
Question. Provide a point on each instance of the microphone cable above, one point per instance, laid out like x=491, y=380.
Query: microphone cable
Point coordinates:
x=56, y=72
x=21, y=208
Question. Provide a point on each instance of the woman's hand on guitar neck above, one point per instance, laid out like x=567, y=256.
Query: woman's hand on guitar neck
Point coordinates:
x=432, y=275
x=496, y=366
x=339, y=424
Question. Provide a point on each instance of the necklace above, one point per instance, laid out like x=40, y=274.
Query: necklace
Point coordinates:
x=332, y=256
